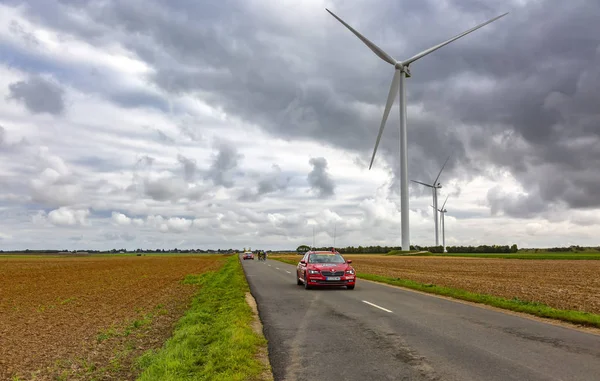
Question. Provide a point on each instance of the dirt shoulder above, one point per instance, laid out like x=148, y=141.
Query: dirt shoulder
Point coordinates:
x=263, y=354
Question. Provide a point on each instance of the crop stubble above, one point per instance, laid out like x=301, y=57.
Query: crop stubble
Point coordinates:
x=52, y=310
x=563, y=284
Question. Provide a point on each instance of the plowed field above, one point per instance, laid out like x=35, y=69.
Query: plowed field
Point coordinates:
x=564, y=284
x=85, y=318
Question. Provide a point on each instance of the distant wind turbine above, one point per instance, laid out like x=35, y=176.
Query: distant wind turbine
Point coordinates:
x=434, y=187
x=401, y=71
x=442, y=221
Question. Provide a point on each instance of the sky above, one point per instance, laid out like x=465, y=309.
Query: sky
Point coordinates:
x=251, y=123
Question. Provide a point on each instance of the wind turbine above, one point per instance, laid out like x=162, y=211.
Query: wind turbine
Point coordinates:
x=443, y=212
x=401, y=71
x=434, y=187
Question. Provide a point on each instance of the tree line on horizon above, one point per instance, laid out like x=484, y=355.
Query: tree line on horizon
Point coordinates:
x=481, y=249
x=432, y=249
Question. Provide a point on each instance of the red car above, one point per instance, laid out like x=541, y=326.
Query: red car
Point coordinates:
x=325, y=268
x=248, y=255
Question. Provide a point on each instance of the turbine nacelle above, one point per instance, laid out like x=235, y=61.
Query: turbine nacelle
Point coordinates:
x=403, y=68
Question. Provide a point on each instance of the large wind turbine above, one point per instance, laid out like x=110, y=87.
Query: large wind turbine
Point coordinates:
x=401, y=71
x=434, y=187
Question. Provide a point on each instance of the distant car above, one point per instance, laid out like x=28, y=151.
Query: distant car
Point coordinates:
x=325, y=268
x=248, y=255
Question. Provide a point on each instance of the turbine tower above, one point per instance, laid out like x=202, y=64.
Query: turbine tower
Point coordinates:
x=442, y=213
x=434, y=187
x=401, y=72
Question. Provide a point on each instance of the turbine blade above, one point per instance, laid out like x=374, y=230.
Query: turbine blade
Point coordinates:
x=438, y=176
x=418, y=182
x=386, y=112
x=434, y=48
x=444, y=204
x=376, y=49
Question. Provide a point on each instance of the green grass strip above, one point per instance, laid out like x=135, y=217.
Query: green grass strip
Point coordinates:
x=214, y=340
x=534, y=308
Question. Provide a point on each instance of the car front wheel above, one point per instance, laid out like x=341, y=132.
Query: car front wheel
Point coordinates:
x=306, y=286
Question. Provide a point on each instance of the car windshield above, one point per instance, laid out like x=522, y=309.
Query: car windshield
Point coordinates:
x=325, y=258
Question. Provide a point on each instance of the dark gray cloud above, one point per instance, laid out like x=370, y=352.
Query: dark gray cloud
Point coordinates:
x=521, y=93
x=39, y=95
x=163, y=189
x=514, y=205
x=319, y=179
x=189, y=167
x=269, y=183
x=224, y=162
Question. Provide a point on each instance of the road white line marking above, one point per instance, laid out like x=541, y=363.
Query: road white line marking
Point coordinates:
x=289, y=272
x=376, y=306
x=269, y=265
x=277, y=268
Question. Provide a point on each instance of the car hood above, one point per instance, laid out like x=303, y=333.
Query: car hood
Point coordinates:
x=329, y=266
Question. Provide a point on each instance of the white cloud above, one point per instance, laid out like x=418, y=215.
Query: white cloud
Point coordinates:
x=63, y=216
x=120, y=219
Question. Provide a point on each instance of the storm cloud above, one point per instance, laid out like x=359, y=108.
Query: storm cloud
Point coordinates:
x=533, y=74
x=515, y=103
x=224, y=162
x=39, y=95
x=319, y=179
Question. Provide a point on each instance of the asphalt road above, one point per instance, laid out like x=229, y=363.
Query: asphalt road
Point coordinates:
x=377, y=333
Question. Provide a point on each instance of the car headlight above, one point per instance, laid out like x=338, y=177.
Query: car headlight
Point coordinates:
x=351, y=272
x=313, y=271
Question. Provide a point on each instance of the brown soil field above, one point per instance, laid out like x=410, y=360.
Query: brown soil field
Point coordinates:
x=563, y=284
x=90, y=318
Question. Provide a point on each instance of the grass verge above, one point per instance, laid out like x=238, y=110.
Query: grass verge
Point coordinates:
x=214, y=340
x=517, y=305
x=533, y=308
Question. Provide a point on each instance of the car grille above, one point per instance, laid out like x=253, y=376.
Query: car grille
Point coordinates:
x=332, y=273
